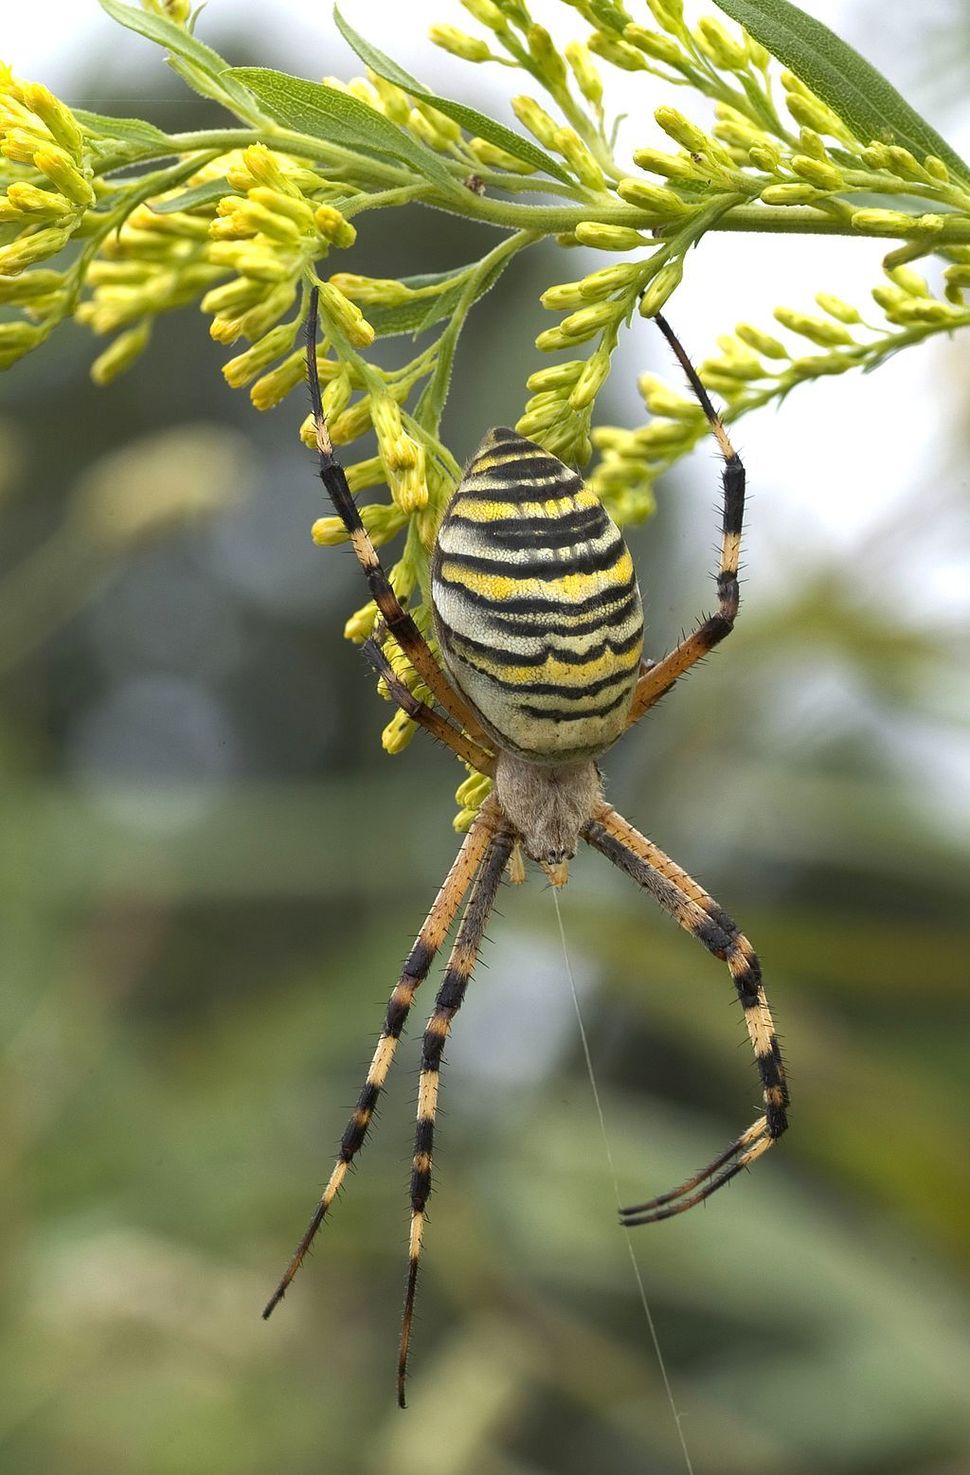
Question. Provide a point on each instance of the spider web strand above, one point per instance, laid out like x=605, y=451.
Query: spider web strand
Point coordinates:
x=675, y=1412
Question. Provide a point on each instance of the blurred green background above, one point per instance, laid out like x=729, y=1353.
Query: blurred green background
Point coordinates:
x=210, y=873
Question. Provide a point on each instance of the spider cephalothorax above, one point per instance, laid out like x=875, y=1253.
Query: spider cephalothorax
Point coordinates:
x=539, y=622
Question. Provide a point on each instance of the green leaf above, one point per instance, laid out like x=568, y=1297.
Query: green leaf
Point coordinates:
x=181, y=44
x=843, y=79
x=415, y=316
x=200, y=194
x=470, y=118
x=324, y=112
x=138, y=135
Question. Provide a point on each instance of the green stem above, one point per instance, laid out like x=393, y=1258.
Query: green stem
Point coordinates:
x=432, y=401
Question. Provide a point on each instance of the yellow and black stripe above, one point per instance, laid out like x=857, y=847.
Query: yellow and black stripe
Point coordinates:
x=449, y=1000
x=700, y=915
x=537, y=609
x=436, y=928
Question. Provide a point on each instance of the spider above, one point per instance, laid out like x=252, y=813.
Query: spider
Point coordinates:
x=540, y=627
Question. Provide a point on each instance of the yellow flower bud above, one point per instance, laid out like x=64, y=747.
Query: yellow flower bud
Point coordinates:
x=55, y=116
x=30, y=200
x=266, y=169
x=620, y=53
x=346, y=315
x=383, y=290
x=666, y=281
x=230, y=298
x=905, y=164
x=333, y=227
x=250, y=259
x=810, y=112
x=578, y=157
x=668, y=13
x=25, y=250
x=816, y=330
x=61, y=170
x=363, y=90
x=764, y=156
x=364, y=474
x=396, y=104
x=536, y=119
x=16, y=339
x=553, y=339
x=893, y=222
x=121, y=353
x=493, y=157
x=560, y=376
x=567, y=294
x=534, y=422
x=843, y=312
x=670, y=166
x=819, y=172
x=720, y=46
x=352, y=423
x=410, y=488
x=293, y=207
x=789, y=194
x=608, y=237
x=487, y=13
x=936, y=169
x=588, y=79
x=588, y=320
x=336, y=396
x=544, y=53
x=246, y=366
x=468, y=48
x=761, y=342
x=609, y=279
x=272, y=388
x=446, y=128
x=329, y=532
x=595, y=374
x=682, y=131
x=398, y=733
x=661, y=400
x=654, y=44
x=31, y=285
x=652, y=197
x=361, y=624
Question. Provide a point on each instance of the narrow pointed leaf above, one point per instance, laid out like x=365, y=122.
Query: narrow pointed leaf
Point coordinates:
x=136, y=134
x=469, y=118
x=843, y=79
x=179, y=42
x=415, y=316
x=336, y=117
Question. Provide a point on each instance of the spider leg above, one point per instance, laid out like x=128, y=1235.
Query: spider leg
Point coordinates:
x=399, y=622
x=658, y=680
x=698, y=913
x=415, y=970
x=448, y=1002
x=426, y=717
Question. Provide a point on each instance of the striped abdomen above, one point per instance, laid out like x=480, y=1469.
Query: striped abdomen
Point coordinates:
x=536, y=603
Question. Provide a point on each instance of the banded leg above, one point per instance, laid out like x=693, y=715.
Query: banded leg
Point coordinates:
x=398, y=621
x=700, y=915
x=425, y=716
x=429, y=940
x=658, y=680
x=446, y=1006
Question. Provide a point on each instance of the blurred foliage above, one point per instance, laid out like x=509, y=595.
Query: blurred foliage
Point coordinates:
x=208, y=881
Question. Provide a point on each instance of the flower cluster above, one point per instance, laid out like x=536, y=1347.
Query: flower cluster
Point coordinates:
x=47, y=189
x=243, y=221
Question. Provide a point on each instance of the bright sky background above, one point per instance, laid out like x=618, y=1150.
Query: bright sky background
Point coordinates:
x=843, y=454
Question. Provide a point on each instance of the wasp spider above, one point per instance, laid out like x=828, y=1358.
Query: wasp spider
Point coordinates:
x=540, y=627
